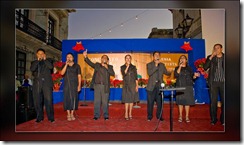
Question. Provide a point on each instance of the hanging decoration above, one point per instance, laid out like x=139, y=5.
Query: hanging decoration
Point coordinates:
x=78, y=47
x=119, y=25
x=186, y=46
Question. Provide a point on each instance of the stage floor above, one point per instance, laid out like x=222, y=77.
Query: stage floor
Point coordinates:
x=199, y=116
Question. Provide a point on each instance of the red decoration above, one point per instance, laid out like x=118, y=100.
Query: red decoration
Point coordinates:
x=186, y=46
x=199, y=65
x=78, y=47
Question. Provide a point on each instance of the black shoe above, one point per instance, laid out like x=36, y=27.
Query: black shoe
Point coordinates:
x=95, y=118
x=106, y=118
x=214, y=122
x=52, y=121
x=161, y=119
x=39, y=120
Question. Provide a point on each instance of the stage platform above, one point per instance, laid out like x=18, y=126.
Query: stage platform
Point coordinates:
x=199, y=116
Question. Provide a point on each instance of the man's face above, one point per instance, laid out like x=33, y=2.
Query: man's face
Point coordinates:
x=40, y=54
x=104, y=59
x=69, y=57
x=156, y=56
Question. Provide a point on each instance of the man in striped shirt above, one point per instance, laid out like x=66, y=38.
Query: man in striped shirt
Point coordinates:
x=216, y=81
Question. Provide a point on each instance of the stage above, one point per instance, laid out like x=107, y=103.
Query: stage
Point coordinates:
x=199, y=116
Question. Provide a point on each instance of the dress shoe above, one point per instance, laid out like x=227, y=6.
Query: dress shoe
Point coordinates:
x=161, y=119
x=106, y=118
x=52, y=121
x=95, y=118
x=39, y=120
x=149, y=119
x=214, y=122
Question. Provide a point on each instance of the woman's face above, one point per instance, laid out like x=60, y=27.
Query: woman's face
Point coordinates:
x=183, y=60
x=128, y=59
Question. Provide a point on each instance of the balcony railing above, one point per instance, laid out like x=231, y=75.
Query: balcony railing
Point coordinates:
x=54, y=42
x=29, y=27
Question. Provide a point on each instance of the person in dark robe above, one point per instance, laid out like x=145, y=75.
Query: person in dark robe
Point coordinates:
x=184, y=78
x=72, y=85
x=130, y=86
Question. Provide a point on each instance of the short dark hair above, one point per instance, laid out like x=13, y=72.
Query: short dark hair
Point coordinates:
x=156, y=52
x=218, y=45
x=69, y=53
x=106, y=56
x=40, y=49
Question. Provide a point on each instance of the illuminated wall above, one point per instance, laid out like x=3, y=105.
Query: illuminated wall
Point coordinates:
x=138, y=59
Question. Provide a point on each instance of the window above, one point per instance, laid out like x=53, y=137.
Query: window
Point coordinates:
x=20, y=65
x=51, y=23
x=21, y=18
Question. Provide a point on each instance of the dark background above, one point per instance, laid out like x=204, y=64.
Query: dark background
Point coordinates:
x=232, y=90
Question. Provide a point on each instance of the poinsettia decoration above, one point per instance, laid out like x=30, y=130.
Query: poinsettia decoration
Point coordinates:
x=78, y=47
x=56, y=76
x=199, y=65
x=186, y=46
x=142, y=82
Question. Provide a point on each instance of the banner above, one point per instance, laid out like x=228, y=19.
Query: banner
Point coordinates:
x=140, y=60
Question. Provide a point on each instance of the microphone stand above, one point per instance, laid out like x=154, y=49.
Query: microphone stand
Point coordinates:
x=84, y=86
x=136, y=106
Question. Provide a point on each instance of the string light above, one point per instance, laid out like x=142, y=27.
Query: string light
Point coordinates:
x=119, y=25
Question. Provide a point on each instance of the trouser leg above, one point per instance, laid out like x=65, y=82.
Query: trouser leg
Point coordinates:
x=48, y=101
x=213, y=103
x=222, y=97
x=97, y=100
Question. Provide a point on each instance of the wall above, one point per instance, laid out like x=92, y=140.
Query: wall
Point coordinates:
x=213, y=28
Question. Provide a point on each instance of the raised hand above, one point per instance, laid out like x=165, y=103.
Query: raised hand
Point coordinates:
x=85, y=53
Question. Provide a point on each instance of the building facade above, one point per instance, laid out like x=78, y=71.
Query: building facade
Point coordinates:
x=187, y=23
x=161, y=33
x=39, y=28
x=180, y=19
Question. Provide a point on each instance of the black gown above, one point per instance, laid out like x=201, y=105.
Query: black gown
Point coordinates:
x=129, y=94
x=70, y=87
x=184, y=79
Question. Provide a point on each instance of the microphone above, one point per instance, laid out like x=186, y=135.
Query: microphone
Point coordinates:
x=157, y=59
x=181, y=62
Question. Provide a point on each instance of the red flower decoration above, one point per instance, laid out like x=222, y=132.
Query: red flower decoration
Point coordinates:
x=116, y=83
x=199, y=65
x=78, y=47
x=186, y=46
x=56, y=76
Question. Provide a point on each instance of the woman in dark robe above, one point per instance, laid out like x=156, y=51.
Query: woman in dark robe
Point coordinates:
x=130, y=87
x=72, y=85
x=184, y=78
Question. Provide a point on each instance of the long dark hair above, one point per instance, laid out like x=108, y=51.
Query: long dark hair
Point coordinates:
x=185, y=58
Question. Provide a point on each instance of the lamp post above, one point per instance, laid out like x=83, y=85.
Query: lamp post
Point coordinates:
x=184, y=27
